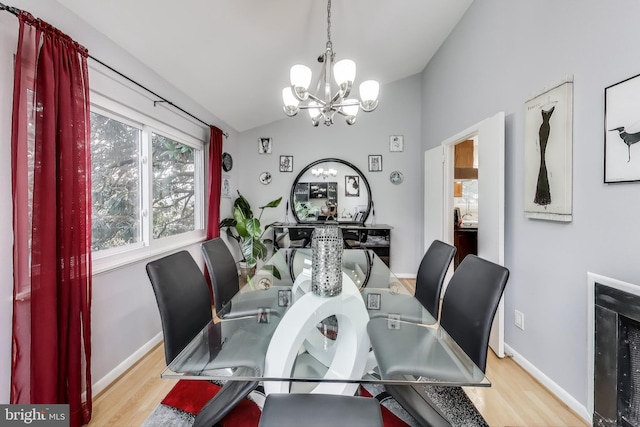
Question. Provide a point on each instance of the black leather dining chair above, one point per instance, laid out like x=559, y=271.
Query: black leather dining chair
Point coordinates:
x=468, y=308
x=429, y=280
x=184, y=303
x=222, y=270
x=226, y=284
x=320, y=410
x=431, y=273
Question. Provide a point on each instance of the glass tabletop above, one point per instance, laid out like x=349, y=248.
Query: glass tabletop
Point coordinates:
x=278, y=331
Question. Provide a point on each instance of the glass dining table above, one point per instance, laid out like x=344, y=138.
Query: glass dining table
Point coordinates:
x=278, y=331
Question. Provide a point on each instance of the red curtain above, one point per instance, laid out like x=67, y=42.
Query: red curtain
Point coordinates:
x=51, y=188
x=214, y=191
x=215, y=183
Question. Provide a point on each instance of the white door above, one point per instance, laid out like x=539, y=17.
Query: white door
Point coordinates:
x=490, y=135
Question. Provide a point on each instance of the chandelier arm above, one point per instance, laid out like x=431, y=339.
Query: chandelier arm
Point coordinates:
x=315, y=98
x=346, y=104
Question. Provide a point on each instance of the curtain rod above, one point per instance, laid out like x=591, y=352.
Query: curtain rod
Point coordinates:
x=16, y=12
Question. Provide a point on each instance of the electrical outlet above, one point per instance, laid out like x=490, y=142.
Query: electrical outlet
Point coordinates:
x=519, y=320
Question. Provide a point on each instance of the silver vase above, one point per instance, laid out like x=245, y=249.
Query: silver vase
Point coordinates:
x=326, y=268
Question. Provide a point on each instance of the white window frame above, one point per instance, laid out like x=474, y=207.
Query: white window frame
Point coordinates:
x=148, y=247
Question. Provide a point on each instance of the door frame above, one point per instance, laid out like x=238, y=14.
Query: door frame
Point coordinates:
x=495, y=251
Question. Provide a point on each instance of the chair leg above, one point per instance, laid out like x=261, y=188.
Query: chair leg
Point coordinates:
x=231, y=393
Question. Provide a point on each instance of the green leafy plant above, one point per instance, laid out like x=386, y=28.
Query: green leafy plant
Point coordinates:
x=247, y=231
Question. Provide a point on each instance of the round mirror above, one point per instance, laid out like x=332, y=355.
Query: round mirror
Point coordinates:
x=330, y=190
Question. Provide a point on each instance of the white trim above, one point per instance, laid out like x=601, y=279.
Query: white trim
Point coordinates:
x=554, y=388
x=405, y=275
x=105, y=264
x=115, y=373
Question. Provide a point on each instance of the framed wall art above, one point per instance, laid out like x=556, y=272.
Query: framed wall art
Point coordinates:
x=375, y=163
x=548, y=153
x=622, y=131
x=286, y=163
x=396, y=143
x=352, y=186
x=226, y=186
x=264, y=145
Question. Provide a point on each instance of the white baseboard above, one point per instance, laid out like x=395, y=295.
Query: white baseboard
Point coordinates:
x=405, y=275
x=554, y=388
x=113, y=375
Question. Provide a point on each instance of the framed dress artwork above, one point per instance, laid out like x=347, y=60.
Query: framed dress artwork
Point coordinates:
x=548, y=153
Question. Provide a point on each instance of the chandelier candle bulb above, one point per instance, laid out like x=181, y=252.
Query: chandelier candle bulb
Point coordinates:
x=345, y=72
x=300, y=76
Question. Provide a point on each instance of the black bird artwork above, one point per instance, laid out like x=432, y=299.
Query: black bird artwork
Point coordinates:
x=628, y=138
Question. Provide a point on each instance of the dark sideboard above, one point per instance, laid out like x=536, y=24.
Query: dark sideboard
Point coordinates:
x=356, y=236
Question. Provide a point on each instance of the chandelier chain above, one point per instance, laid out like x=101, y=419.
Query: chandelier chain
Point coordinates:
x=329, y=44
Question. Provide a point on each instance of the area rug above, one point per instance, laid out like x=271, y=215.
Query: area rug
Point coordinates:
x=186, y=399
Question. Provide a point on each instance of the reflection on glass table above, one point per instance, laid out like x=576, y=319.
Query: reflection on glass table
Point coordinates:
x=298, y=341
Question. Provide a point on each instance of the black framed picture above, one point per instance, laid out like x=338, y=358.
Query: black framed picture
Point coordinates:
x=396, y=143
x=373, y=301
x=284, y=297
x=375, y=163
x=263, y=315
x=622, y=131
x=286, y=163
x=352, y=186
x=264, y=145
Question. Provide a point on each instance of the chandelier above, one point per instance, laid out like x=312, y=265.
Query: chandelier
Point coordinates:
x=324, y=173
x=325, y=103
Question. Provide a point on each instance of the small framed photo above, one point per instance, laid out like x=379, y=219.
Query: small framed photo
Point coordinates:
x=393, y=322
x=396, y=143
x=286, y=163
x=373, y=301
x=352, y=186
x=375, y=163
x=263, y=315
x=264, y=145
x=284, y=298
x=226, y=186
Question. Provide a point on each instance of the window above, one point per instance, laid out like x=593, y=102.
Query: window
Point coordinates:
x=115, y=183
x=147, y=186
x=173, y=187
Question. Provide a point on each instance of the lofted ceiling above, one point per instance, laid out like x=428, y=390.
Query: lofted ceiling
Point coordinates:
x=233, y=56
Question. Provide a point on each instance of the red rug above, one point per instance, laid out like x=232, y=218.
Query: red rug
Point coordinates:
x=186, y=399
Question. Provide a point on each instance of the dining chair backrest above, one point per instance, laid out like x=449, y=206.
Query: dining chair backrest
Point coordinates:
x=431, y=273
x=223, y=272
x=183, y=300
x=470, y=303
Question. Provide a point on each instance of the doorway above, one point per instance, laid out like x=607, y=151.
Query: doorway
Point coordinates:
x=439, y=199
x=465, y=199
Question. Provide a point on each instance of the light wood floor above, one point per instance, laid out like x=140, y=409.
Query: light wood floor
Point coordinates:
x=514, y=399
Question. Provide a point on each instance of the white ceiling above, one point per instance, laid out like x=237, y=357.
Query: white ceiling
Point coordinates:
x=233, y=56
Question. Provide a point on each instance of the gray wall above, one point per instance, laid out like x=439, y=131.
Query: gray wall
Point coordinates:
x=399, y=206
x=500, y=53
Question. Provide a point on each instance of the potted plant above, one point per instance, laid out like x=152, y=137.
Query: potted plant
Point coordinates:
x=246, y=229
